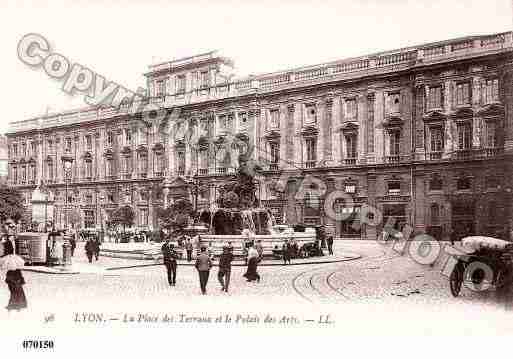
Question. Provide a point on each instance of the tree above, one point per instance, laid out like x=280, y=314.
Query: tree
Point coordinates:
x=176, y=217
x=11, y=204
x=123, y=216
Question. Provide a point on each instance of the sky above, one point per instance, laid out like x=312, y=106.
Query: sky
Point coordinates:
x=119, y=39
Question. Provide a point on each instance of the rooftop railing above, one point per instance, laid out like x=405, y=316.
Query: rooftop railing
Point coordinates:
x=386, y=61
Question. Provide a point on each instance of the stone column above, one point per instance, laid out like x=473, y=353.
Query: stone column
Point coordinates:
x=361, y=112
x=284, y=136
x=321, y=126
x=449, y=128
x=58, y=162
x=379, y=133
x=336, y=133
x=298, y=143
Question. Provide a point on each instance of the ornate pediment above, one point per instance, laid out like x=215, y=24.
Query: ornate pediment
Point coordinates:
x=272, y=134
x=393, y=122
x=309, y=130
x=349, y=128
x=142, y=148
x=464, y=112
x=491, y=110
x=87, y=155
x=158, y=147
x=126, y=150
x=434, y=116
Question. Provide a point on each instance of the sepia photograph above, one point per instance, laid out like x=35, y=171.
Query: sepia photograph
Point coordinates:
x=255, y=178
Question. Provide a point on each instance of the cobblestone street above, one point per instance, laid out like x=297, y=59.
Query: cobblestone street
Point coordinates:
x=381, y=276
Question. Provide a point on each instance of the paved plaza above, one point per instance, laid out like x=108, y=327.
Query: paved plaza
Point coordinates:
x=379, y=276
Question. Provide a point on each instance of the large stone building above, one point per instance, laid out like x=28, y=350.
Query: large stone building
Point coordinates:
x=424, y=134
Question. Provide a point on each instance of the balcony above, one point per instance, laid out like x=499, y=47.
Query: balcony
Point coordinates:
x=493, y=151
x=221, y=170
x=143, y=175
x=159, y=174
x=273, y=167
x=350, y=161
x=464, y=154
x=310, y=164
x=435, y=155
x=181, y=171
x=203, y=171
x=127, y=176
x=393, y=159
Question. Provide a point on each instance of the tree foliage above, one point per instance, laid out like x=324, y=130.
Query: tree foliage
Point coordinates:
x=11, y=204
x=123, y=216
x=176, y=217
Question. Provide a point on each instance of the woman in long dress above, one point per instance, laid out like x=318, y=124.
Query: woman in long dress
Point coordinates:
x=12, y=264
x=251, y=272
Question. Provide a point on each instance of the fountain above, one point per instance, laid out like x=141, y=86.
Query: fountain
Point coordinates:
x=238, y=219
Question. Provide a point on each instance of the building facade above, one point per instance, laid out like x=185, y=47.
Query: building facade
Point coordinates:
x=423, y=134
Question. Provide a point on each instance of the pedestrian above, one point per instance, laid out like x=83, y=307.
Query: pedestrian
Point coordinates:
x=225, y=268
x=285, y=251
x=252, y=269
x=97, y=245
x=188, y=248
x=203, y=265
x=330, y=244
x=73, y=243
x=170, y=256
x=260, y=249
x=90, y=249
x=12, y=264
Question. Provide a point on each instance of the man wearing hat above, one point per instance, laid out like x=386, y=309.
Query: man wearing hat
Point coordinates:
x=225, y=268
x=203, y=265
x=169, y=254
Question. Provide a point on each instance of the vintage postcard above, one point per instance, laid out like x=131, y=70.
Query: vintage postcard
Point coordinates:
x=255, y=178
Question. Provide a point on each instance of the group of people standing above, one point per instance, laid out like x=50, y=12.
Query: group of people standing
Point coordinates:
x=204, y=264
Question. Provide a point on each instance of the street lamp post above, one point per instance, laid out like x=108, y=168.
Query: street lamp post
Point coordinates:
x=67, y=161
x=101, y=218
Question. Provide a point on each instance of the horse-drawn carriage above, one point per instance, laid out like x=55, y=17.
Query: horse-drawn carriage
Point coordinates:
x=487, y=264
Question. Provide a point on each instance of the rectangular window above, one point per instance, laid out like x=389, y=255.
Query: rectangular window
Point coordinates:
x=15, y=150
x=180, y=84
x=181, y=163
x=351, y=147
x=394, y=187
x=437, y=139
x=491, y=91
x=492, y=182
x=435, y=97
x=15, y=174
x=274, y=121
x=33, y=149
x=68, y=145
x=110, y=138
x=395, y=143
x=24, y=150
x=89, y=142
x=491, y=134
x=50, y=146
x=204, y=79
x=370, y=125
x=203, y=162
x=464, y=136
x=161, y=88
x=311, y=150
x=89, y=169
x=463, y=94
x=128, y=136
x=351, y=109
x=144, y=217
x=275, y=152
